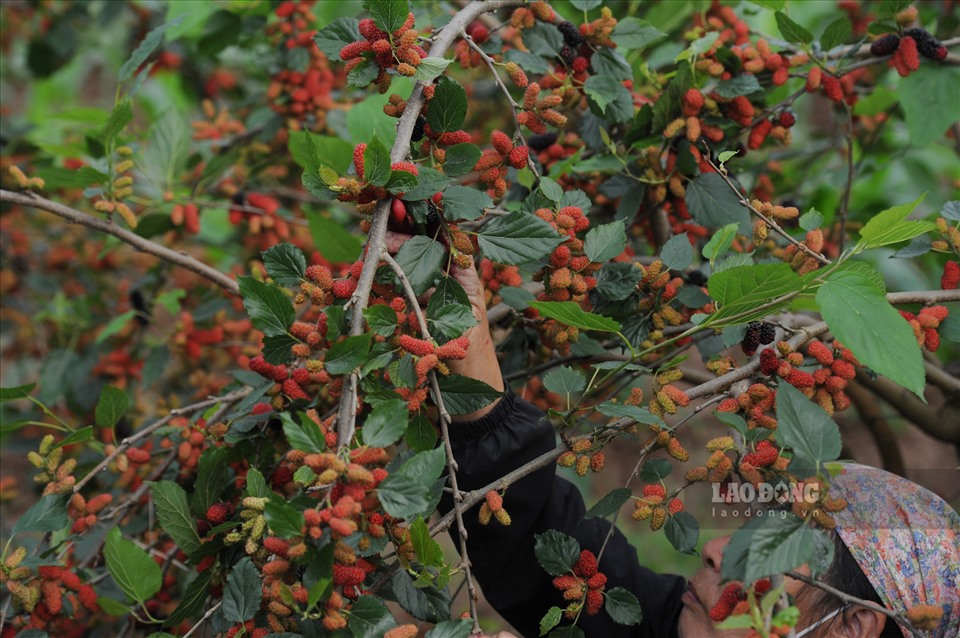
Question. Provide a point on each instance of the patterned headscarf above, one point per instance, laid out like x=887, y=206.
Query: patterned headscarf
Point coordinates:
x=904, y=538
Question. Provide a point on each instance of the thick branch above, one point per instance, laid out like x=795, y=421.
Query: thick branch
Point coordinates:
x=346, y=415
x=912, y=408
x=144, y=245
x=869, y=413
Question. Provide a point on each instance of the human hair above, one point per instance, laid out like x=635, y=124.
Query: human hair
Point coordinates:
x=845, y=574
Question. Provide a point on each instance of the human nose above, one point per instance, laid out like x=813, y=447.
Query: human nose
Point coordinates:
x=713, y=552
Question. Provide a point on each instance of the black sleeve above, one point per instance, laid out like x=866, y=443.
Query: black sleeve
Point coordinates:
x=502, y=557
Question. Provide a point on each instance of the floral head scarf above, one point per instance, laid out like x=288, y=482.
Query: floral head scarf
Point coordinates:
x=904, y=538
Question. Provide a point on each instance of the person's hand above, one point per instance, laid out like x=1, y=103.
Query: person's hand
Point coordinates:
x=481, y=361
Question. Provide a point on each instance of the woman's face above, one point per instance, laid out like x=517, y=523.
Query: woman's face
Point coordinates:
x=704, y=591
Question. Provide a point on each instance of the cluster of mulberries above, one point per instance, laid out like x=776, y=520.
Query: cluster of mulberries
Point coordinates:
x=925, y=617
x=397, y=51
x=526, y=17
x=950, y=236
x=801, y=261
x=733, y=600
x=464, y=53
x=925, y=324
x=492, y=507
x=56, y=472
x=826, y=385
x=950, y=279
x=655, y=506
x=908, y=49
x=261, y=215
x=495, y=161
x=428, y=356
x=580, y=458
x=598, y=32
x=667, y=398
x=584, y=587
x=837, y=89
x=539, y=112
x=819, y=511
x=494, y=276
x=757, y=334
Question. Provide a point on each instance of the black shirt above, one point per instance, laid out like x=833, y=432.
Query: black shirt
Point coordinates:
x=502, y=557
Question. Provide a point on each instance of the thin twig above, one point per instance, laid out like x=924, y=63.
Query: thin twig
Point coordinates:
x=144, y=245
x=848, y=187
x=130, y=440
x=376, y=239
x=206, y=617
x=853, y=600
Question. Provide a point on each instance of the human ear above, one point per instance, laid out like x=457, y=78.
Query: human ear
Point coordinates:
x=861, y=622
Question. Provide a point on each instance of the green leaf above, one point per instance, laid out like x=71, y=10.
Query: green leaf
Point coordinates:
x=779, y=545
x=285, y=264
x=571, y=314
x=890, y=227
x=677, y=253
x=726, y=156
x=608, y=98
x=448, y=107
x=17, y=392
x=776, y=5
x=550, y=620
x=111, y=407
x=386, y=423
x=346, y=356
x=621, y=410
x=617, y=280
x=421, y=259
x=811, y=220
x=314, y=152
x=713, y=204
x=388, y=15
x=407, y=491
x=115, y=325
x=119, y=118
x=150, y=42
x=276, y=349
x=430, y=182
x=451, y=321
x=567, y=631
x=860, y=316
x=450, y=629
x=805, y=427
x=623, y=606
x=376, y=162
x=241, y=596
x=743, y=84
x=131, y=568
x=792, y=32
x=256, y=484
x=743, y=289
x=269, y=308
x=928, y=99
x=518, y=238
x=720, y=242
x=462, y=202
x=429, y=69
x=460, y=159
x=543, y=39
x=610, y=503
x=583, y=5
x=516, y=298
x=421, y=435
x=336, y=35
x=564, y=380
x=605, y=242
x=173, y=514
x=192, y=600
x=363, y=74
x=77, y=436
x=111, y=607
x=556, y=552
x=284, y=520
x=631, y=33
x=551, y=189
x=683, y=532
x=304, y=436
x=427, y=550
x=332, y=240
x=381, y=319
x=213, y=476
x=836, y=33
x=463, y=395
x=950, y=327
x=49, y=514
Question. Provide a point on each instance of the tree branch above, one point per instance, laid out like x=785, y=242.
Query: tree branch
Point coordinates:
x=139, y=243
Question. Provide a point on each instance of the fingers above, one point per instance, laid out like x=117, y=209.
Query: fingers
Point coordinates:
x=395, y=240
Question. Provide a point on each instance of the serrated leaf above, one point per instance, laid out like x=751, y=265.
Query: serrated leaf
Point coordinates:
x=556, y=552
x=792, y=32
x=518, y=238
x=269, y=308
x=407, y=491
x=683, y=532
x=743, y=84
x=451, y=321
x=617, y=280
x=462, y=202
x=388, y=15
x=421, y=259
x=332, y=240
x=386, y=423
x=890, y=227
x=720, y=242
x=427, y=550
x=859, y=315
x=149, y=43
x=115, y=325
x=242, y=594
x=192, y=600
x=804, y=427
x=550, y=619
x=173, y=514
x=304, y=436
x=284, y=520
x=213, y=476
x=742, y=289
x=951, y=211
x=928, y=99
x=17, y=392
x=584, y=5
x=463, y=395
x=257, y=484
x=726, y=156
x=631, y=33
x=49, y=514
x=778, y=545
x=677, y=253
x=460, y=159
x=450, y=629
x=345, y=356
x=610, y=503
x=622, y=606
x=551, y=189
x=605, y=242
x=276, y=349
x=564, y=380
x=336, y=35
x=131, y=568
x=111, y=407
x=811, y=220
x=571, y=314
x=622, y=410
x=713, y=204
x=836, y=33
x=376, y=162
x=285, y=264
x=429, y=69
x=448, y=107
x=608, y=98
x=421, y=435
x=381, y=319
